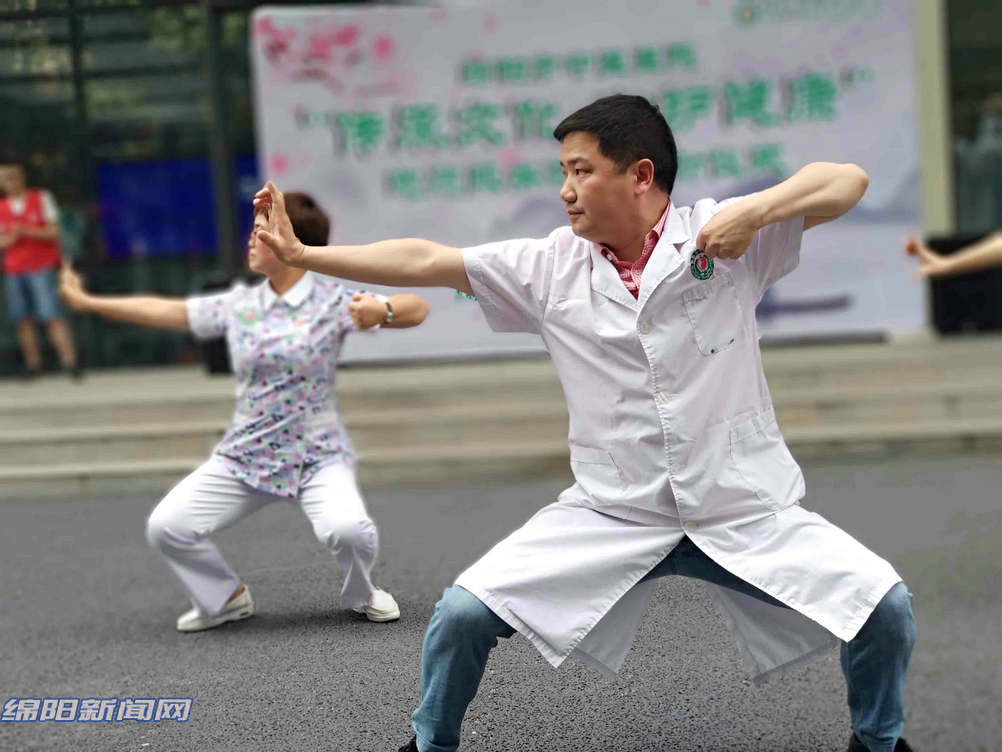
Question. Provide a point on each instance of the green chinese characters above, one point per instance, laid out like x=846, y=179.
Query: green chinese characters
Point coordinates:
x=471, y=180
x=419, y=126
x=727, y=162
x=756, y=102
x=616, y=61
x=359, y=131
x=451, y=181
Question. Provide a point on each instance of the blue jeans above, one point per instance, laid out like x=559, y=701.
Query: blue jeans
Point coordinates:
x=32, y=295
x=463, y=630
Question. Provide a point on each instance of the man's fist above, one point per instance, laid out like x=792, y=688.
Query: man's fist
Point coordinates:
x=729, y=232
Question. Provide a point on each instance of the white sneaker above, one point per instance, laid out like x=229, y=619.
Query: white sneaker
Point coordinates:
x=382, y=607
x=239, y=608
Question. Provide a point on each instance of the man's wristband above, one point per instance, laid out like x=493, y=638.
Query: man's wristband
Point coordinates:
x=390, y=316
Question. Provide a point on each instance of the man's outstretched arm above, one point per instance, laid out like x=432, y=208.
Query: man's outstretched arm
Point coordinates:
x=405, y=262
x=818, y=192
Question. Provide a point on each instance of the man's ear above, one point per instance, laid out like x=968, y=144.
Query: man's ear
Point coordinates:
x=643, y=174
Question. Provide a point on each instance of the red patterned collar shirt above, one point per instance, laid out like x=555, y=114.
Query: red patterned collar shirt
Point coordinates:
x=630, y=272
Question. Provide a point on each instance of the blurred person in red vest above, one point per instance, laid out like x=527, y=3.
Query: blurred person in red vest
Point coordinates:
x=29, y=239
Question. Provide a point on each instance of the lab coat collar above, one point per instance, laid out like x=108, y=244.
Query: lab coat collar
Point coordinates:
x=666, y=257
x=293, y=297
x=664, y=260
x=605, y=279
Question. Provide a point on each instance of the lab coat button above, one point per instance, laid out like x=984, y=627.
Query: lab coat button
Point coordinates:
x=661, y=398
x=644, y=327
x=693, y=526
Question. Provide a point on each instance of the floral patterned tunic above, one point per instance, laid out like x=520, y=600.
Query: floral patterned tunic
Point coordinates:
x=284, y=350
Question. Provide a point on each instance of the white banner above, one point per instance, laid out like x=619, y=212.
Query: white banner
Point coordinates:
x=437, y=122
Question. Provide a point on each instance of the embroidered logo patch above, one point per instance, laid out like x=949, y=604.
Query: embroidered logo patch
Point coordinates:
x=700, y=265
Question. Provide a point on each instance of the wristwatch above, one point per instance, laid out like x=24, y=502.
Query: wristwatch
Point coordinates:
x=389, y=313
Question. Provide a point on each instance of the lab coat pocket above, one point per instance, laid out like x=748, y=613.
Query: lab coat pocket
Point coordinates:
x=715, y=313
x=596, y=472
x=762, y=459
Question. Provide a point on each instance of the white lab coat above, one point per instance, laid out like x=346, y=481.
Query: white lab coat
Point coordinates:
x=672, y=433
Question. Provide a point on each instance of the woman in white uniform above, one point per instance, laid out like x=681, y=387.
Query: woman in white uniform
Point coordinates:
x=286, y=441
x=648, y=312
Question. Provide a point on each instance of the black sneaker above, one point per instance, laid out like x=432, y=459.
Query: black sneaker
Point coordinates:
x=855, y=745
x=410, y=746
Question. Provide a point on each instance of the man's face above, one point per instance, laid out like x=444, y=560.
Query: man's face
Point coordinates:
x=596, y=194
x=11, y=179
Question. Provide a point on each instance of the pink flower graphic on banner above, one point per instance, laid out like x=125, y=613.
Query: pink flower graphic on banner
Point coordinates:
x=509, y=157
x=340, y=56
x=383, y=47
x=275, y=41
x=322, y=44
x=278, y=164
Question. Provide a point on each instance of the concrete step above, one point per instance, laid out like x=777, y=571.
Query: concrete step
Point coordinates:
x=377, y=467
x=875, y=377
x=972, y=396
x=181, y=394
x=382, y=429
x=929, y=436
x=492, y=459
x=946, y=394
x=109, y=444
x=119, y=411
x=91, y=480
x=875, y=364
x=187, y=394
x=496, y=420
x=147, y=427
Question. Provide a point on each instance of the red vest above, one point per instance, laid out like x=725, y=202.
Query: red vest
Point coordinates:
x=26, y=255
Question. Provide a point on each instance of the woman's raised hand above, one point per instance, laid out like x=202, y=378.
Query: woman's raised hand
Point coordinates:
x=279, y=236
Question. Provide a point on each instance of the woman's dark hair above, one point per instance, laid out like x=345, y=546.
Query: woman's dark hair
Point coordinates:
x=628, y=128
x=309, y=222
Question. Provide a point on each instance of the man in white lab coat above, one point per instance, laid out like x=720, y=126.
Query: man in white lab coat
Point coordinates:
x=648, y=312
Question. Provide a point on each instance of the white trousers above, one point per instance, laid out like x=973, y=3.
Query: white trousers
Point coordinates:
x=211, y=499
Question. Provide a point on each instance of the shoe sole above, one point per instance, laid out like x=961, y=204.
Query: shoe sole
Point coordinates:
x=218, y=621
x=378, y=617
x=383, y=617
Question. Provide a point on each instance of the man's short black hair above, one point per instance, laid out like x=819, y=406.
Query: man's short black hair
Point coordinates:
x=628, y=128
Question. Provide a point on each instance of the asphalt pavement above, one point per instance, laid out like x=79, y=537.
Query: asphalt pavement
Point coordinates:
x=87, y=610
